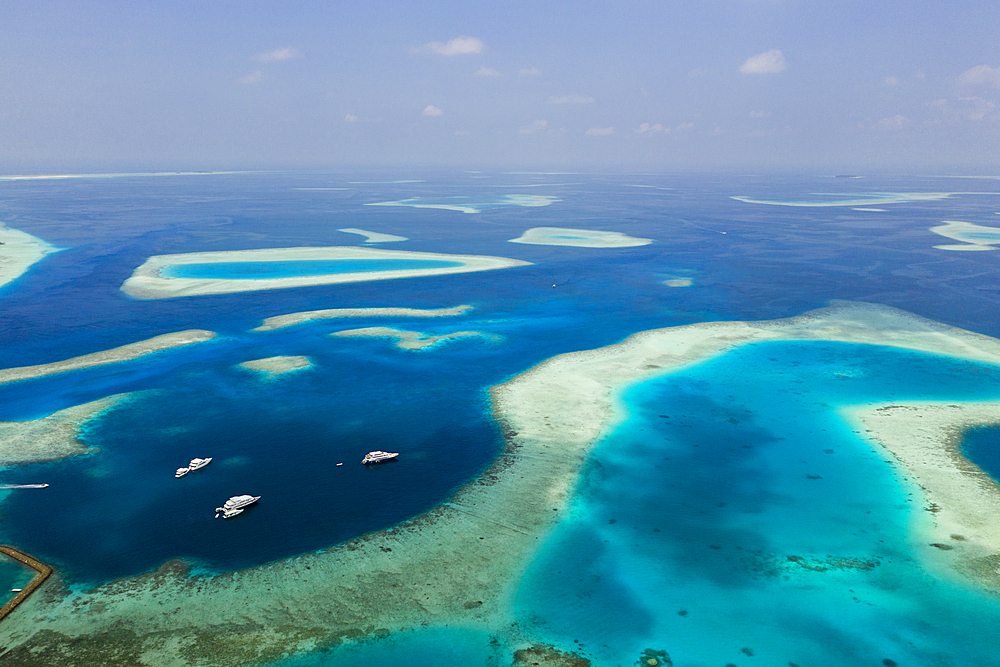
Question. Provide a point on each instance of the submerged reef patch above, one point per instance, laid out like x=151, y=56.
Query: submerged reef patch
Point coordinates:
x=280, y=321
x=53, y=437
x=580, y=238
x=374, y=237
x=410, y=340
x=274, y=366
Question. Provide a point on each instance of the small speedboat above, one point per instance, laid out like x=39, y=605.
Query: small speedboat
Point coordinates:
x=234, y=506
x=378, y=456
x=181, y=472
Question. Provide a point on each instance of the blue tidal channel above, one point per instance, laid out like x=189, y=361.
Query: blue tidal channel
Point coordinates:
x=299, y=268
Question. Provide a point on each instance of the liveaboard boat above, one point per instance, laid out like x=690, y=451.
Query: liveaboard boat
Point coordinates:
x=196, y=464
x=234, y=506
x=378, y=456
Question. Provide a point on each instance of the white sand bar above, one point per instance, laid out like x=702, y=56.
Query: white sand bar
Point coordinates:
x=408, y=340
x=149, y=282
x=274, y=366
x=974, y=237
x=18, y=251
x=961, y=528
x=280, y=321
x=374, y=237
x=580, y=238
x=409, y=576
x=112, y=356
x=53, y=437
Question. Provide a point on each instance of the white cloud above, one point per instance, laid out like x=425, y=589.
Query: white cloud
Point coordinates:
x=351, y=118
x=459, y=46
x=487, y=71
x=537, y=126
x=529, y=71
x=980, y=75
x=600, y=131
x=890, y=81
x=976, y=108
x=897, y=122
x=253, y=77
x=760, y=114
x=286, y=53
x=431, y=110
x=462, y=133
x=656, y=128
x=769, y=62
x=570, y=99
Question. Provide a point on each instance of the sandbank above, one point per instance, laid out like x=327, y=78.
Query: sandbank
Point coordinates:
x=974, y=237
x=678, y=282
x=147, y=281
x=471, y=207
x=581, y=238
x=280, y=321
x=18, y=251
x=112, y=356
x=374, y=237
x=409, y=340
x=53, y=437
x=875, y=198
x=275, y=366
x=960, y=529
x=457, y=565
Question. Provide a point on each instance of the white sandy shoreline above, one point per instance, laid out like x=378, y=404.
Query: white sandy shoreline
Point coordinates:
x=18, y=251
x=409, y=576
x=150, y=282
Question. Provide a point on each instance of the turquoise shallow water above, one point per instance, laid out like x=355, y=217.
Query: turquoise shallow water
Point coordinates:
x=734, y=518
x=725, y=525
x=13, y=575
x=298, y=268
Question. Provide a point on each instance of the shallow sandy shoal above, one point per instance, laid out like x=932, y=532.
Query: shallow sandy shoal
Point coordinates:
x=408, y=340
x=18, y=251
x=459, y=564
x=273, y=366
x=963, y=501
x=374, y=237
x=53, y=437
x=280, y=321
x=589, y=238
x=147, y=282
x=114, y=355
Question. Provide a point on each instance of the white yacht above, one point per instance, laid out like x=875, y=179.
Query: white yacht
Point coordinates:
x=234, y=506
x=378, y=456
x=196, y=464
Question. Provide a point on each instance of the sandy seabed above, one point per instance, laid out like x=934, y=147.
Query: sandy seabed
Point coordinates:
x=459, y=564
x=280, y=321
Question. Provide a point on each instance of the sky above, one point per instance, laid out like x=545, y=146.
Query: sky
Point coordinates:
x=623, y=85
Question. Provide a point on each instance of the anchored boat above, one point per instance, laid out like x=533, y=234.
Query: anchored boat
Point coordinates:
x=196, y=464
x=234, y=506
x=378, y=456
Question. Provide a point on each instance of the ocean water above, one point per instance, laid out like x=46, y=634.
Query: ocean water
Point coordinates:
x=696, y=512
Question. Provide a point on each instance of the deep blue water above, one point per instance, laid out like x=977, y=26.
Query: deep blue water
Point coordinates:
x=758, y=485
x=982, y=447
x=298, y=268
